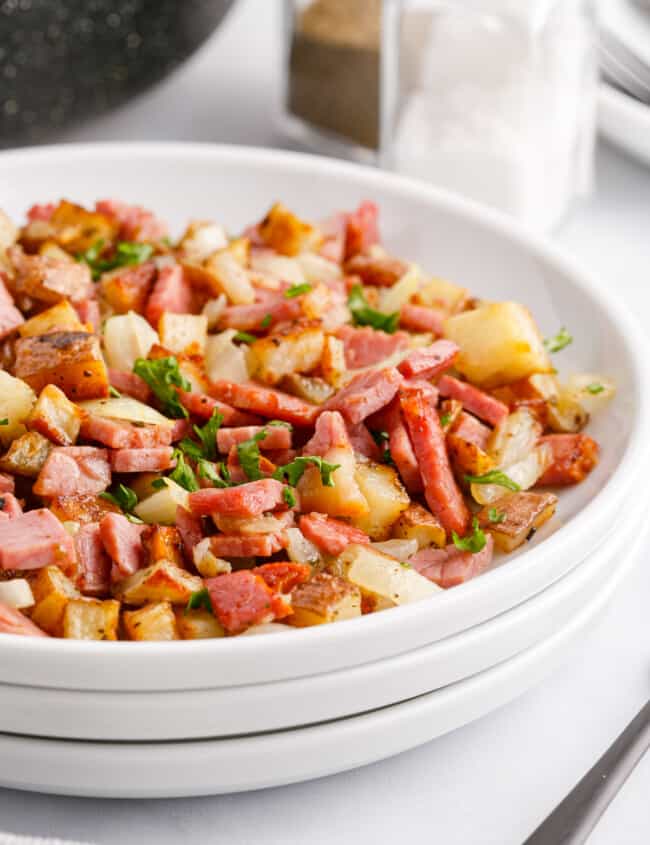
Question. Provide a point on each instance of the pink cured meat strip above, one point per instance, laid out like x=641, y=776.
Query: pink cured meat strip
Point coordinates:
x=240, y=599
x=71, y=470
x=366, y=394
x=131, y=384
x=277, y=437
x=41, y=211
x=94, y=565
x=171, y=292
x=190, y=528
x=449, y=567
x=251, y=499
x=266, y=401
x=469, y=428
x=33, y=540
x=142, y=460
x=362, y=230
x=10, y=316
x=367, y=346
x=401, y=448
x=252, y=545
x=474, y=400
x=122, y=541
x=420, y=318
x=250, y=317
x=330, y=535
x=330, y=433
x=362, y=441
x=11, y=507
x=123, y=435
x=201, y=405
x=12, y=621
x=88, y=312
x=440, y=489
x=430, y=361
x=136, y=223
x=7, y=483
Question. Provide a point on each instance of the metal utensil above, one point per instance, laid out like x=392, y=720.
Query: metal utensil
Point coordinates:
x=624, y=67
x=574, y=818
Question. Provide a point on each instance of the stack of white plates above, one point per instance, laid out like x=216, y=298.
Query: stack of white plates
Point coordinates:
x=101, y=718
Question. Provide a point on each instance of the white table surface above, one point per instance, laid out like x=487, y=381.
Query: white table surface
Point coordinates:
x=493, y=781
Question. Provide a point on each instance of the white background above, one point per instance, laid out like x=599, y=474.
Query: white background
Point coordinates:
x=493, y=781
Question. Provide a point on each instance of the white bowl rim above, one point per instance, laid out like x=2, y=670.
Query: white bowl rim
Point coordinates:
x=496, y=223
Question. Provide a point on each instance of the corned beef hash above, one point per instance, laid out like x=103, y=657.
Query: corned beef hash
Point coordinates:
x=227, y=435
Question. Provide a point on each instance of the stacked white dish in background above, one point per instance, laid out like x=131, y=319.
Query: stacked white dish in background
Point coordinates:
x=97, y=718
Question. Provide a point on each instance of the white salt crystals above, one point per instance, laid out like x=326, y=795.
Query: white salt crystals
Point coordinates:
x=500, y=104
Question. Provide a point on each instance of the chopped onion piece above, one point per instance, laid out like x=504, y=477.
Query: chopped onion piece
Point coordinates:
x=16, y=593
x=125, y=408
x=300, y=549
x=399, y=549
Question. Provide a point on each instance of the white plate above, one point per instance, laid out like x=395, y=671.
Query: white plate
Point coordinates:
x=228, y=711
x=209, y=767
x=450, y=237
x=625, y=122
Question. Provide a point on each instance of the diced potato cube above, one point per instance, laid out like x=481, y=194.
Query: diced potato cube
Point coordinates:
x=60, y=317
x=467, y=458
x=71, y=360
x=163, y=542
x=524, y=473
x=82, y=508
x=161, y=582
x=310, y=388
x=16, y=593
x=344, y=498
x=566, y=414
x=325, y=598
x=391, y=299
x=292, y=351
x=55, y=417
x=386, y=497
x=183, y=333
x=514, y=518
x=127, y=337
x=77, y=229
x=222, y=273
x=161, y=507
x=198, y=625
x=91, y=619
x=333, y=361
x=438, y=293
x=26, y=455
x=201, y=239
x=151, y=622
x=52, y=591
x=213, y=309
x=286, y=233
x=126, y=289
x=499, y=343
x=384, y=579
x=16, y=402
x=224, y=359
x=317, y=269
x=417, y=523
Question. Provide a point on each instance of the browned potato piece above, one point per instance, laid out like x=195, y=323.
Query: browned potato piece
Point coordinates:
x=161, y=582
x=286, y=233
x=417, y=523
x=55, y=417
x=127, y=291
x=198, y=625
x=310, y=388
x=467, y=458
x=516, y=517
x=82, y=508
x=163, y=542
x=78, y=229
x=49, y=279
x=26, y=455
x=52, y=591
x=91, y=619
x=325, y=598
x=151, y=622
x=386, y=497
x=60, y=317
x=295, y=350
x=450, y=410
x=71, y=360
x=333, y=361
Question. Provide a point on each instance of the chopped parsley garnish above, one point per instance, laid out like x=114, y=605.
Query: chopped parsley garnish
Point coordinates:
x=294, y=471
x=445, y=419
x=594, y=388
x=112, y=391
x=4, y=421
x=200, y=600
x=244, y=337
x=289, y=497
x=207, y=434
x=380, y=437
x=495, y=476
x=122, y=496
x=495, y=516
x=163, y=376
x=364, y=315
x=474, y=542
x=192, y=449
x=297, y=290
x=249, y=456
x=559, y=342
x=266, y=322
x=183, y=474
x=218, y=475
x=127, y=253
x=280, y=424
